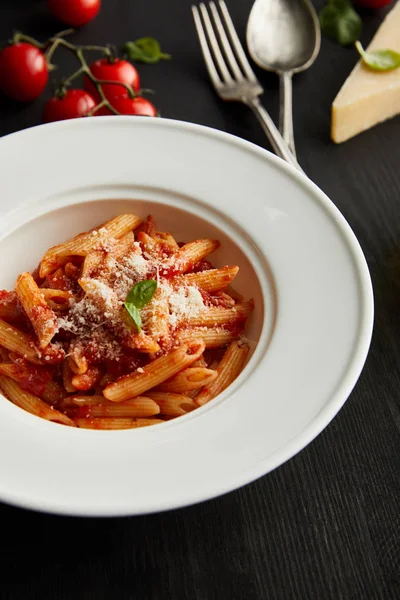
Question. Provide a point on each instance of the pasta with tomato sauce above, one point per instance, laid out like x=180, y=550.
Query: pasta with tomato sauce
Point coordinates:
x=121, y=327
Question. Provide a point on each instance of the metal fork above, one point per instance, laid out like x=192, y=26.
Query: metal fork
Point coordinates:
x=232, y=76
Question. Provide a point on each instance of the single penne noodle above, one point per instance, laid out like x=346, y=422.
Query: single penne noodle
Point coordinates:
x=189, y=379
x=213, y=338
x=155, y=317
x=212, y=280
x=137, y=407
x=228, y=369
x=57, y=300
x=86, y=381
x=18, y=341
x=115, y=423
x=213, y=316
x=81, y=244
x=187, y=256
x=31, y=403
x=82, y=400
x=42, y=318
x=154, y=373
x=173, y=405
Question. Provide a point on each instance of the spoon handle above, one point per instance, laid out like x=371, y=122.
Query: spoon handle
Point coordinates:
x=286, y=110
x=276, y=140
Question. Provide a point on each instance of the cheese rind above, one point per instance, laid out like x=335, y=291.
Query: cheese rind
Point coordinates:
x=369, y=97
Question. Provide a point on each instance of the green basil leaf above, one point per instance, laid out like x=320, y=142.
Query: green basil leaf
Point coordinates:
x=340, y=21
x=146, y=49
x=141, y=293
x=379, y=60
x=135, y=314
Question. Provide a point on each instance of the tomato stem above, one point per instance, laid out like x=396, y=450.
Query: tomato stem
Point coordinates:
x=21, y=37
x=84, y=69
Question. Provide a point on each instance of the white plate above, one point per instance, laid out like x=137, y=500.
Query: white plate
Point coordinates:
x=298, y=258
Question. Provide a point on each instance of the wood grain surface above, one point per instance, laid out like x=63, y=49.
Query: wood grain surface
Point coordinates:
x=326, y=525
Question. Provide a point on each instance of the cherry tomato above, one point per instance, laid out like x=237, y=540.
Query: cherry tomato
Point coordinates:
x=75, y=103
x=373, y=3
x=74, y=12
x=129, y=106
x=115, y=70
x=23, y=72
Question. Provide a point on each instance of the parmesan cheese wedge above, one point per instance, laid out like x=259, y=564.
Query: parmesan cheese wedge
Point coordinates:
x=369, y=97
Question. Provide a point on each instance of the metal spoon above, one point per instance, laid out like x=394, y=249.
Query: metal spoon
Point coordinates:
x=284, y=36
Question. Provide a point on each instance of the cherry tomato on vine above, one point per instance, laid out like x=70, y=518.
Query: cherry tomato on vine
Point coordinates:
x=74, y=103
x=373, y=3
x=129, y=106
x=112, y=70
x=23, y=72
x=74, y=12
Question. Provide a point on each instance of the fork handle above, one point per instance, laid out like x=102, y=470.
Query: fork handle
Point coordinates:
x=277, y=142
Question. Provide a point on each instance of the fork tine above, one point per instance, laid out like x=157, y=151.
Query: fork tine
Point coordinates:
x=225, y=43
x=244, y=63
x=215, y=45
x=208, y=59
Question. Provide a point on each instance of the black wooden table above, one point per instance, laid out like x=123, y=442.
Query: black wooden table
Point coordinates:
x=326, y=525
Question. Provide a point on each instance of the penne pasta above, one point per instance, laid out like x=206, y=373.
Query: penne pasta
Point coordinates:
x=212, y=280
x=215, y=317
x=188, y=256
x=228, y=369
x=17, y=341
x=155, y=316
x=173, y=405
x=115, y=423
x=191, y=378
x=154, y=373
x=137, y=407
x=42, y=318
x=110, y=331
x=82, y=243
x=34, y=379
x=212, y=338
x=31, y=403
